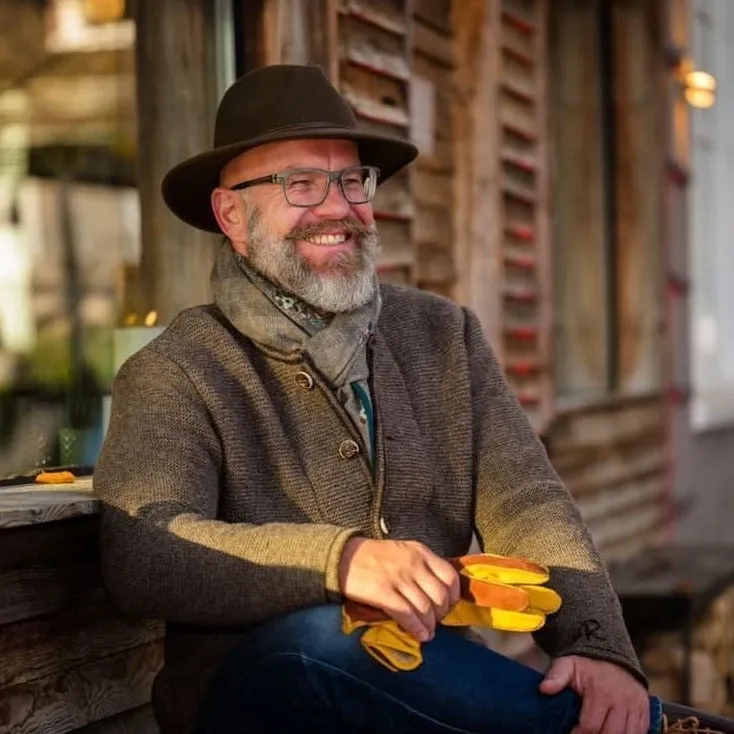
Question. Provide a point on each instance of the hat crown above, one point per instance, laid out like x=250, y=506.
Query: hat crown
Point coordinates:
x=278, y=97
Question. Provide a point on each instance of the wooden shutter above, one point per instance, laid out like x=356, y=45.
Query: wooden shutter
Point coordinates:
x=524, y=252
x=374, y=73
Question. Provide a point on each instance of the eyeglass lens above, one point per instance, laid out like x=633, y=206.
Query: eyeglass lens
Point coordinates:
x=309, y=187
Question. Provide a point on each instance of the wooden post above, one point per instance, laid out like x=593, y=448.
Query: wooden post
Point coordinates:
x=175, y=121
x=477, y=215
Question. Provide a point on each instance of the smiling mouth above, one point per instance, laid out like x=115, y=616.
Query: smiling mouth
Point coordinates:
x=328, y=240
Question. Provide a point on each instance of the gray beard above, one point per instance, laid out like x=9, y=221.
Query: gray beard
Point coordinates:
x=349, y=284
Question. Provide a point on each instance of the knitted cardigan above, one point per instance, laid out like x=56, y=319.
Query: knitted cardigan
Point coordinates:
x=231, y=479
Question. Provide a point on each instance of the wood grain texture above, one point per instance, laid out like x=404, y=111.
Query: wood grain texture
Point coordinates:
x=613, y=458
x=32, y=592
x=136, y=721
x=83, y=695
x=175, y=115
x=47, y=646
x=33, y=504
x=50, y=544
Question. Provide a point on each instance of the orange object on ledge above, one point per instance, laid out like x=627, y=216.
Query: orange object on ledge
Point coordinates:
x=59, y=477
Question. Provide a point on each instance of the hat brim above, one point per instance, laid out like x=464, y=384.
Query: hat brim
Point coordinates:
x=187, y=187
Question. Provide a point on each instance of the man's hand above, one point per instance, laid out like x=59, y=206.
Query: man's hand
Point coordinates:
x=613, y=702
x=405, y=579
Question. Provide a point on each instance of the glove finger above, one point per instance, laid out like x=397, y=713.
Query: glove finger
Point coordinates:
x=504, y=569
x=493, y=594
x=543, y=598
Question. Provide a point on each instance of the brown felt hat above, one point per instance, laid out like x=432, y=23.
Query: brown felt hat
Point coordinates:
x=279, y=102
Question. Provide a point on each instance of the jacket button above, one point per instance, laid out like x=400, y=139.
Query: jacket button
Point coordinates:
x=304, y=380
x=348, y=449
x=384, y=525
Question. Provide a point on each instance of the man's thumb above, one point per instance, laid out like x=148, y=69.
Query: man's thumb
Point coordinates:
x=558, y=676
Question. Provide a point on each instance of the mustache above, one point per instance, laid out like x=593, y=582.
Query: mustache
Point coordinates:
x=351, y=226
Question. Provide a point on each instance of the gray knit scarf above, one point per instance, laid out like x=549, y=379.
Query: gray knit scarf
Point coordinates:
x=281, y=322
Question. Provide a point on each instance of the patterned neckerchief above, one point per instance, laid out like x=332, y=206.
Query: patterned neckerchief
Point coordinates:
x=300, y=313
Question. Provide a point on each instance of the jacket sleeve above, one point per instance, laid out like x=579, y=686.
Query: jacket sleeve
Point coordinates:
x=164, y=552
x=523, y=508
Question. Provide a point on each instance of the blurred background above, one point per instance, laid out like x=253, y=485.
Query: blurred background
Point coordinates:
x=575, y=188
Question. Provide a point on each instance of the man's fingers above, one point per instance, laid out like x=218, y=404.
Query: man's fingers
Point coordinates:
x=436, y=590
x=447, y=575
x=593, y=714
x=639, y=721
x=617, y=721
x=403, y=612
x=421, y=604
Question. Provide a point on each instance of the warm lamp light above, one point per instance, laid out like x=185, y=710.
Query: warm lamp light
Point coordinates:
x=700, y=89
x=104, y=11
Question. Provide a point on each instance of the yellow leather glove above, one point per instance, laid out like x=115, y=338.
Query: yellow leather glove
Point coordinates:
x=500, y=592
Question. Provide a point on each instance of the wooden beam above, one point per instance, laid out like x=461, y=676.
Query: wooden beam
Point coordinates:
x=544, y=252
x=175, y=122
x=477, y=184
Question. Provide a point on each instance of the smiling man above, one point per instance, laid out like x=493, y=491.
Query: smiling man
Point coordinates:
x=313, y=437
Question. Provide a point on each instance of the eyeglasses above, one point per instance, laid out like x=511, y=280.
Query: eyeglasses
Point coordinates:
x=310, y=186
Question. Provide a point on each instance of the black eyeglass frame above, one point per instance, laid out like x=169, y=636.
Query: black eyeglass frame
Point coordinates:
x=332, y=176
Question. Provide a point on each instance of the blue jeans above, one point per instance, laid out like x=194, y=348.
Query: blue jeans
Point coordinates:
x=300, y=673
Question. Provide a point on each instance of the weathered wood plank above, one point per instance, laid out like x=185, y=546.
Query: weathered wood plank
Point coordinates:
x=616, y=464
x=386, y=14
x=32, y=592
x=432, y=44
x=433, y=225
x=172, y=46
x=83, y=695
x=375, y=97
x=622, y=499
x=137, y=721
x=369, y=46
x=604, y=426
x=394, y=197
x=47, y=646
x=51, y=545
x=435, y=13
x=30, y=504
x=397, y=247
x=397, y=130
x=435, y=264
x=432, y=189
x=628, y=533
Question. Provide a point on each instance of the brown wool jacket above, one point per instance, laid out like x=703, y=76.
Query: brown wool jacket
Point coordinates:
x=228, y=489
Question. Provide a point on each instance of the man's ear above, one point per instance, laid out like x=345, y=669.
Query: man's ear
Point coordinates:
x=229, y=209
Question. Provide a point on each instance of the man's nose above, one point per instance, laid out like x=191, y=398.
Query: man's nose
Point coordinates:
x=334, y=206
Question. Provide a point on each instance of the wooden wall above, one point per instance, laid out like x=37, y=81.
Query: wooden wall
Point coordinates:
x=433, y=132
x=374, y=74
x=613, y=457
x=524, y=245
x=70, y=663
x=502, y=209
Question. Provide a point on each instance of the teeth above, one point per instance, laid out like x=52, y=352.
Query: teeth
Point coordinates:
x=327, y=239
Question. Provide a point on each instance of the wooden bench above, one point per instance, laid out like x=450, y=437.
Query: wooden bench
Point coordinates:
x=69, y=662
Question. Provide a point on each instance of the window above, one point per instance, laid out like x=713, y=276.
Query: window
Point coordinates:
x=606, y=102
x=69, y=222
x=711, y=221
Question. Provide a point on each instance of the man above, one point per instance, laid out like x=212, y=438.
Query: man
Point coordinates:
x=313, y=437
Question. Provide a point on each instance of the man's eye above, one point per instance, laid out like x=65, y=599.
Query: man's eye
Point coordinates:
x=301, y=184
